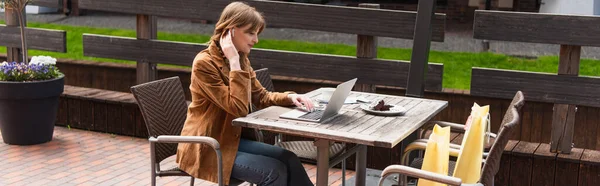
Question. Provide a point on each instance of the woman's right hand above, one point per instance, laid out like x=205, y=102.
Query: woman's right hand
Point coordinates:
x=230, y=51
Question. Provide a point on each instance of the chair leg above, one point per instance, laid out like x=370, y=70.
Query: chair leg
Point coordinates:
x=344, y=172
x=152, y=164
x=192, y=181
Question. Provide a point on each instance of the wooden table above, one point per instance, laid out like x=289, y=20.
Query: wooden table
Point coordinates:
x=351, y=126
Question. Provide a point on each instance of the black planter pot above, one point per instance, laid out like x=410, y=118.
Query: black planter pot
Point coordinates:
x=28, y=110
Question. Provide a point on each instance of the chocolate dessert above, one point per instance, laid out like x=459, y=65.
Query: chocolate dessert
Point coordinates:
x=381, y=106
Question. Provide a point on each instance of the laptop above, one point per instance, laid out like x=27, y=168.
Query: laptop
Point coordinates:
x=335, y=103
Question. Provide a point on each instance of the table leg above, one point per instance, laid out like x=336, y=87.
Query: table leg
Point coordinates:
x=322, y=161
x=361, y=166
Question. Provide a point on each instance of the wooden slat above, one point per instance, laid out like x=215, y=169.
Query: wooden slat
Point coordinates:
x=351, y=20
x=62, y=115
x=537, y=123
x=522, y=160
x=536, y=86
x=589, y=172
x=503, y=175
x=86, y=115
x=318, y=66
x=527, y=122
x=547, y=122
x=596, y=120
x=74, y=105
x=567, y=167
x=544, y=165
x=40, y=39
x=48, y=3
x=113, y=118
x=176, y=53
x=140, y=126
x=128, y=119
x=100, y=114
x=581, y=129
x=536, y=28
x=74, y=112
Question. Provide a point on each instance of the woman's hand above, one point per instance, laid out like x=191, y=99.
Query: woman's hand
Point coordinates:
x=302, y=102
x=230, y=51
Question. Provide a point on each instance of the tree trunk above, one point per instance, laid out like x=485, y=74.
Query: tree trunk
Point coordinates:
x=23, y=35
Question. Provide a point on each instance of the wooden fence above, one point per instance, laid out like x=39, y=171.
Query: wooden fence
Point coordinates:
x=567, y=90
x=365, y=23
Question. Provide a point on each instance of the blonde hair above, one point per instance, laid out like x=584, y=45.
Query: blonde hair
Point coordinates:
x=236, y=14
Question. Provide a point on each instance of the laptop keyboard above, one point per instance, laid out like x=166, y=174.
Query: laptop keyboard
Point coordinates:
x=315, y=115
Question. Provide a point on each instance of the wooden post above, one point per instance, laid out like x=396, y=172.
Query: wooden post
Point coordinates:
x=65, y=7
x=73, y=6
x=563, y=119
x=420, y=51
x=485, y=44
x=146, y=30
x=366, y=47
x=11, y=18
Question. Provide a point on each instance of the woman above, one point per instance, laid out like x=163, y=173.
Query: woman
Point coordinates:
x=223, y=86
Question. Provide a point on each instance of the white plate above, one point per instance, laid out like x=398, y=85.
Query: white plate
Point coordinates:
x=395, y=110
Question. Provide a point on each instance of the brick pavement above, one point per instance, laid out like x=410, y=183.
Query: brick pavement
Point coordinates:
x=79, y=157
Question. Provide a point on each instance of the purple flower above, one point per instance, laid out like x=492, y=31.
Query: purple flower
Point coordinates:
x=42, y=70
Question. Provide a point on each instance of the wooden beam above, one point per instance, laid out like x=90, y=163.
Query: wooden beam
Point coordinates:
x=293, y=64
x=536, y=28
x=366, y=47
x=563, y=119
x=420, y=50
x=351, y=20
x=11, y=18
x=146, y=30
x=541, y=87
x=40, y=39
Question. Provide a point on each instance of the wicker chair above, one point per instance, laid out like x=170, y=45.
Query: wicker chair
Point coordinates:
x=492, y=159
x=164, y=108
x=305, y=150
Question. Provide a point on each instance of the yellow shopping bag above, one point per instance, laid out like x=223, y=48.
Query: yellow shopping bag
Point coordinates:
x=436, y=154
x=468, y=164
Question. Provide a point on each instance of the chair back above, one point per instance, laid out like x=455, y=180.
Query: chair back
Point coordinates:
x=509, y=122
x=163, y=107
x=262, y=75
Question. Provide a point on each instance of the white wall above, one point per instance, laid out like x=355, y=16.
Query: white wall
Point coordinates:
x=32, y=9
x=596, y=7
x=576, y=7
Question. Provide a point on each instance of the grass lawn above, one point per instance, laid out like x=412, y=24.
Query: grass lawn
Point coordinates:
x=457, y=65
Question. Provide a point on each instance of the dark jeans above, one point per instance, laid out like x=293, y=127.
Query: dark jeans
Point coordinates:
x=265, y=164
